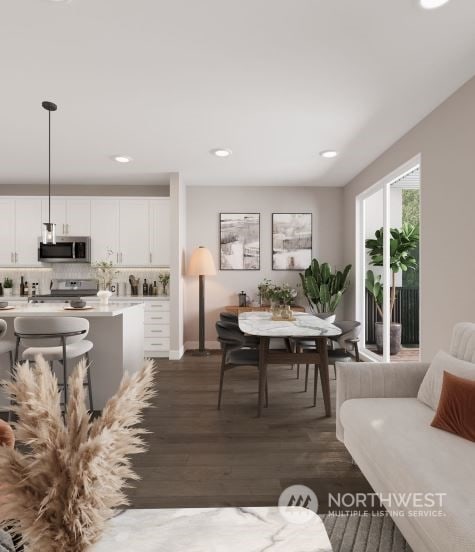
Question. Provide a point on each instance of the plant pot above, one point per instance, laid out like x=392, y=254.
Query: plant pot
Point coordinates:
x=394, y=335
x=328, y=316
x=104, y=296
x=7, y=292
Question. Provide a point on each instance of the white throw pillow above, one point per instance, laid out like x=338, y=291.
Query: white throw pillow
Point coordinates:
x=431, y=386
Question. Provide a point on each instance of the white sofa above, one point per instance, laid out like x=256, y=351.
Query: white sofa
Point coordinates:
x=387, y=432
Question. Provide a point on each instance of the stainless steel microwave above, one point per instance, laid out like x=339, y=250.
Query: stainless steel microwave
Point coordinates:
x=67, y=249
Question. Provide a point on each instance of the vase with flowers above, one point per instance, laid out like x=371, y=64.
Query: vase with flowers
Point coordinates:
x=105, y=272
x=282, y=297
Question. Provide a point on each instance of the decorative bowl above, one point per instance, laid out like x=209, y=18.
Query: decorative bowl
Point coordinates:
x=78, y=303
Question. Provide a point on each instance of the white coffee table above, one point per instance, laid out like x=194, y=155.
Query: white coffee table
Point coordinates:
x=212, y=530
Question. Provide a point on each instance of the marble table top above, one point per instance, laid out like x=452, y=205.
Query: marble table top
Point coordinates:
x=305, y=325
x=212, y=530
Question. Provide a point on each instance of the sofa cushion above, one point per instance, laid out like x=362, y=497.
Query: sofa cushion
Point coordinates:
x=396, y=440
x=456, y=410
x=431, y=386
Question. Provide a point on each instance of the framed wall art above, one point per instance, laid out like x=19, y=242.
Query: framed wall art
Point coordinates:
x=239, y=241
x=291, y=241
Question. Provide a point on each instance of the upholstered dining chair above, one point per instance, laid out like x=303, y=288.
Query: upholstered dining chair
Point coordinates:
x=346, y=351
x=56, y=339
x=7, y=346
x=235, y=353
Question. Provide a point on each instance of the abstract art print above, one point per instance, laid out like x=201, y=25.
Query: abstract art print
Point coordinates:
x=291, y=241
x=240, y=247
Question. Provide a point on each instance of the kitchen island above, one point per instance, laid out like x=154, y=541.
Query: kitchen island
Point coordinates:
x=116, y=330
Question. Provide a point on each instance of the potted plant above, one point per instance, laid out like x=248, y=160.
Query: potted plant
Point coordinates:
x=164, y=279
x=324, y=288
x=8, y=287
x=403, y=241
x=265, y=292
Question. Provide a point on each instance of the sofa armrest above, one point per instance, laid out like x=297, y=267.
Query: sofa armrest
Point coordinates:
x=365, y=380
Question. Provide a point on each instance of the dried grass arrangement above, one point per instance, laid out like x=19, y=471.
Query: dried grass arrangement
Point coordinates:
x=60, y=493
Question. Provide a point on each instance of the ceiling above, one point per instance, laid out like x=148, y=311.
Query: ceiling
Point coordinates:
x=276, y=81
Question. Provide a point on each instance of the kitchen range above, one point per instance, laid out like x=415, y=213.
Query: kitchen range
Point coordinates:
x=65, y=291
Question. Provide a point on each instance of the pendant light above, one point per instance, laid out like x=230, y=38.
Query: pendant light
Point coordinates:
x=49, y=228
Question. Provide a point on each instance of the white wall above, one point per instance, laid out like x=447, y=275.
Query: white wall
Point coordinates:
x=204, y=204
x=177, y=258
x=445, y=139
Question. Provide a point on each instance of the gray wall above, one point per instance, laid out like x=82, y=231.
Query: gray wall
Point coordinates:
x=446, y=140
x=204, y=204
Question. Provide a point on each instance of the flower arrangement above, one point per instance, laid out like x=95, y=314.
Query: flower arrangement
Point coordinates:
x=60, y=489
x=105, y=271
x=283, y=294
x=164, y=279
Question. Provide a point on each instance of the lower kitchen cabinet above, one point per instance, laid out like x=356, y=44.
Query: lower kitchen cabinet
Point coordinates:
x=157, y=328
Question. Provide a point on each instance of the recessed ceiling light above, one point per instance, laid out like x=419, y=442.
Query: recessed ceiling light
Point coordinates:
x=329, y=154
x=122, y=158
x=221, y=152
x=432, y=4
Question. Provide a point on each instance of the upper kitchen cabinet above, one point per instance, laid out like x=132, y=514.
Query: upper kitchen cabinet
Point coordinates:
x=134, y=242
x=78, y=217
x=72, y=216
x=28, y=220
x=7, y=231
x=160, y=232
x=105, y=229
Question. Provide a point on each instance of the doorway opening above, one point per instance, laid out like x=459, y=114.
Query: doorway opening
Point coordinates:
x=387, y=268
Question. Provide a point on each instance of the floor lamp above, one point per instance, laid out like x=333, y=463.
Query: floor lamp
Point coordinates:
x=201, y=265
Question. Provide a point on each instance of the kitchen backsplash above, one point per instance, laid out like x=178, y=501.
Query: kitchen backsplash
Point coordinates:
x=72, y=271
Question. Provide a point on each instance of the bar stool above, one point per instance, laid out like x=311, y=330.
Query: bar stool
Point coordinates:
x=57, y=339
x=6, y=345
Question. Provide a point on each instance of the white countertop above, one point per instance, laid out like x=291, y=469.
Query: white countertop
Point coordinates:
x=212, y=530
x=57, y=309
x=305, y=325
x=115, y=298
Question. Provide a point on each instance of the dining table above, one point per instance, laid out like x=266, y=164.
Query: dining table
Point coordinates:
x=306, y=337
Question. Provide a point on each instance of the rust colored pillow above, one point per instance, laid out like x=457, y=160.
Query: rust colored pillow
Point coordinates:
x=456, y=410
x=7, y=437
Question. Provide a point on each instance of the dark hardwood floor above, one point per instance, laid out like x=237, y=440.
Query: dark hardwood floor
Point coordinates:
x=201, y=457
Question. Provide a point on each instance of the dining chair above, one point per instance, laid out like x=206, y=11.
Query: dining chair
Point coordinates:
x=347, y=351
x=250, y=341
x=235, y=353
x=7, y=346
x=56, y=339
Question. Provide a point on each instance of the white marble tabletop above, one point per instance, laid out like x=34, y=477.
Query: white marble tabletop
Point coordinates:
x=305, y=325
x=212, y=530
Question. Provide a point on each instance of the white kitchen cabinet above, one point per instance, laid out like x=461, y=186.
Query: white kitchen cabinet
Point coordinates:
x=134, y=232
x=7, y=231
x=78, y=217
x=71, y=216
x=105, y=229
x=160, y=232
x=28, y=221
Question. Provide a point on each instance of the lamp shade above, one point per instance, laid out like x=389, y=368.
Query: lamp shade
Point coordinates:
x=201, y=263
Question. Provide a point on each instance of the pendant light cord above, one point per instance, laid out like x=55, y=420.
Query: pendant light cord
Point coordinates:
x=49, y=167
